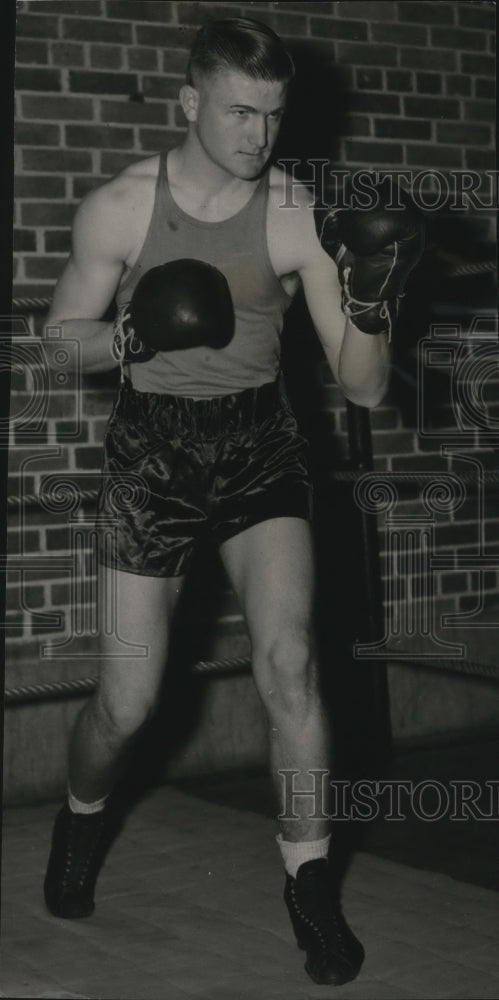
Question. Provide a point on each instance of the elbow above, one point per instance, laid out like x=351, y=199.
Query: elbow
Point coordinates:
x=369, y=398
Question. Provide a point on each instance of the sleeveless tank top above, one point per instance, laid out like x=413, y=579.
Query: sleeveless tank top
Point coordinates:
x=238, y=247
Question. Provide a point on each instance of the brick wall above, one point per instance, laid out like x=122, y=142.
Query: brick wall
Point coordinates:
x=96, y=89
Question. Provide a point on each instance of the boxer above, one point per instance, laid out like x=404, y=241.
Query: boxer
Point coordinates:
x=202, y=417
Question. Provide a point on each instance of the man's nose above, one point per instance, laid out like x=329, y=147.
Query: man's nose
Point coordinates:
x=258, y=133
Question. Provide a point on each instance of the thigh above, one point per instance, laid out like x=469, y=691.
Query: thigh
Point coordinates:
x=271, y=567
x=135, y=617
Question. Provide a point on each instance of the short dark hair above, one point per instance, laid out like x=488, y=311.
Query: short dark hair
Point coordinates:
x=242, y=45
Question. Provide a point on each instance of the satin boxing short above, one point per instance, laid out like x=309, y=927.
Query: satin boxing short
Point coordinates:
x=176, y=468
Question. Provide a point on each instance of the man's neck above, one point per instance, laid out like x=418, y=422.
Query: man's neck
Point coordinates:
x=201, y=187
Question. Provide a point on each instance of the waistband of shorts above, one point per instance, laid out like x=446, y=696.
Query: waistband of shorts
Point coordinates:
x=207, y=416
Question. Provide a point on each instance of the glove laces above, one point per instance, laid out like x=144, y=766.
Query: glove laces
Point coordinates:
x=356, y=307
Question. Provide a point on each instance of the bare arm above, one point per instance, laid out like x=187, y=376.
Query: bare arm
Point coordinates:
x=89, y=281
x=360, y=362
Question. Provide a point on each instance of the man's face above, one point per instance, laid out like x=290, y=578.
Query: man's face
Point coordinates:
x=237, y=121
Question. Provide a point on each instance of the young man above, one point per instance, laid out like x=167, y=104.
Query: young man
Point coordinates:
x=212, y=435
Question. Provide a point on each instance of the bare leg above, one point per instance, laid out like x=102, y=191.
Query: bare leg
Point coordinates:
x=128, y=687
x=271, y=568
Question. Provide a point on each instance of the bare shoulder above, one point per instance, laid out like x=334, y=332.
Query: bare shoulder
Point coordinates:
x=112, y=214
x=291, y=219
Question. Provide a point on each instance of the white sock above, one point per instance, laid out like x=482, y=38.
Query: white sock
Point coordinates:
x=295, y=854
x=85, y=808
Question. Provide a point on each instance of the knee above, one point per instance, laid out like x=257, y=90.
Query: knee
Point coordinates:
x=121, y=716
x=285, y=671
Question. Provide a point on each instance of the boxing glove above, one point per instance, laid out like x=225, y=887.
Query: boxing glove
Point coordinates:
x=375, y=250
x=181, y=304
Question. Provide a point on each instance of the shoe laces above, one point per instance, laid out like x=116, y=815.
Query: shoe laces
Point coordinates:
x=316, y=908
x=84, y=837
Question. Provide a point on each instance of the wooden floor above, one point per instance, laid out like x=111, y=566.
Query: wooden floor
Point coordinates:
x=189, y=906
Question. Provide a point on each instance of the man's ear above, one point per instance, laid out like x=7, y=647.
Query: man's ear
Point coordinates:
x=189, y=100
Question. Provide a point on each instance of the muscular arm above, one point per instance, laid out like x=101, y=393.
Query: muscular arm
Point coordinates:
x=87, y=286
x=360, y=363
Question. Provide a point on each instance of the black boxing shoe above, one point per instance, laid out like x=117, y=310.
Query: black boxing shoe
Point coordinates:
x=79, y=842
x=334, y=955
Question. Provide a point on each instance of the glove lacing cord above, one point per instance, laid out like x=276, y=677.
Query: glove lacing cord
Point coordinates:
x=122, y=339
x=352, y=313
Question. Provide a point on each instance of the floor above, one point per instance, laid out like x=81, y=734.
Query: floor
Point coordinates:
x=189, y=905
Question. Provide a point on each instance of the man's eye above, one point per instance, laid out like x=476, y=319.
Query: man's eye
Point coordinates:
x=240, y=112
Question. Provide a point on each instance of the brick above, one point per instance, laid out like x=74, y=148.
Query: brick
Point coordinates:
x=137, y=10
x=89, y=8
x=458, y=85
x=479, y=135
x=399, y=79
x=399, y=34
x=37, y=79
x=21, y=542
x=28, y=51
x=163, y=87
x=398, y=128
x=459, y=38
x=482, y=111
x=88, y=29
x=61, y=404
x=83, y=184
x=429, y=107
x=396, y=443
x=369, y=79
x=57, y=241
x=160, y=35
x=64, y=427
x=367, y=55
x=97, y=404
x=374, y=152
x=311, y=8
x=106, y=56
x=143, y=59
x=383, y=104
x=482, y=65
x=40, y=186
x=472, y=15
x=428, y=83
x=36, y=26
x=48, y=213
x=45, y=268
x=57, y=538
x=102, y=83
x=24, y=241
x=481, y=159
x=426, y=13
x=174, y=61
x=88, y=458
x=114, y=163
x=67, y=54
x=133, y=112
x=322, y=27
x=32, y=134
x=434, y=156
x=432, y=59
x=58, y=108
x=58, y=160
x=151, y=140
x=369, y=11
x=356, y=125
x=485, y=88
x=99, y=136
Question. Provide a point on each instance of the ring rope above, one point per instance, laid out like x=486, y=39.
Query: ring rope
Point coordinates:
x=237, y=665
x=85, y=685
